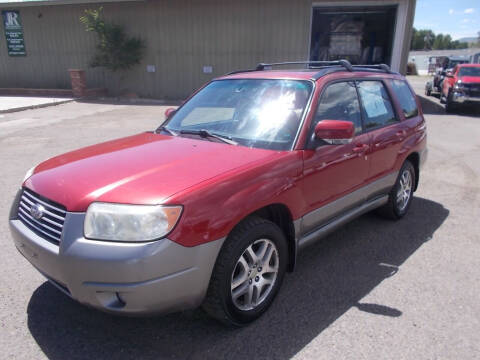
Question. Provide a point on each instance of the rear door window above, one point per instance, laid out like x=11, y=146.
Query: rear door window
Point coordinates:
x=376, y=104
x=406, y=98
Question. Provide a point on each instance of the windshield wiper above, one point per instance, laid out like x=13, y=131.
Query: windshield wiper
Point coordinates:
x=206, y=133
x=164, y=128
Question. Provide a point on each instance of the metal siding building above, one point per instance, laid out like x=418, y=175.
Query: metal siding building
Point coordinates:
x=181, y=37
x=422, y=58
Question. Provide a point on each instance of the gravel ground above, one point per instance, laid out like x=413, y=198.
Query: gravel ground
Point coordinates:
x=375, y=289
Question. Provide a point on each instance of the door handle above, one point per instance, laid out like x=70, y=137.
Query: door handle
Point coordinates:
x=359, y=148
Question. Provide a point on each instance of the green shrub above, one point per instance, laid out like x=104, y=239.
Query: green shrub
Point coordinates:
x=115, y=49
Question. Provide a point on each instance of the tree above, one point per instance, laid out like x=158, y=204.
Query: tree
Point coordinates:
x=115, y=49
x=413, y=44
x=438, y=42
x=428, y=39
x=447, y=42
x=425, y=39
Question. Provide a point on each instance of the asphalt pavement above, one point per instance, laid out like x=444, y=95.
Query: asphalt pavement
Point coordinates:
x=375, y=289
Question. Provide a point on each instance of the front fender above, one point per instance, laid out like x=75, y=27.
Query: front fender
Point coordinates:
x=212, y=209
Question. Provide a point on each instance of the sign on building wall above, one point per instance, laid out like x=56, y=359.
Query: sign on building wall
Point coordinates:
x=13, y=33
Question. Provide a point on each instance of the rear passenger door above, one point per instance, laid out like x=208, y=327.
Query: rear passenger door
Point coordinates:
x=384, y=126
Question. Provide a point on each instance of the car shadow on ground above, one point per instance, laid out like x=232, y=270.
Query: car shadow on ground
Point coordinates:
x=331, y=277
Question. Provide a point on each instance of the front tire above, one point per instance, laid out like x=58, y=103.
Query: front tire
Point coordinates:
x=248, y=273
x=401, y=195
x=428, y=90
x=442, y=98
x=449, y=105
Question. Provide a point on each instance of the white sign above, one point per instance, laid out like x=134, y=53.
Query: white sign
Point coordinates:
x=207, y=69
x=151, y=68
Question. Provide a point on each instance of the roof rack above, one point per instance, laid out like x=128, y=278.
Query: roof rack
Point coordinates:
x=383, y=67
x=326, y=66
x=312, y=64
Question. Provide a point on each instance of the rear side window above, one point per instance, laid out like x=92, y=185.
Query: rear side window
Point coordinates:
x=376, y=105
x=339, y=101
x=406, y=98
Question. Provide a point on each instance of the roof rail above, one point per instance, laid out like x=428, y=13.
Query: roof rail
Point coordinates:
x=383, y=67
x=324, y=65
x=345, y=63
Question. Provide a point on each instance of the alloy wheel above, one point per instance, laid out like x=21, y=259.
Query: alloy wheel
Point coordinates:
x=254, y=275
x=405, y=190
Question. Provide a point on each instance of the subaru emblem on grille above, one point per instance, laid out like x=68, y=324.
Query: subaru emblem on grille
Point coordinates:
x=37, y=211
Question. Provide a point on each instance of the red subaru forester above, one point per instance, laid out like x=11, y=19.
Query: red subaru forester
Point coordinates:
x=212, y=207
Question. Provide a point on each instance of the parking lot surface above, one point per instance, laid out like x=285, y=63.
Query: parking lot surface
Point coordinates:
x=375, y=289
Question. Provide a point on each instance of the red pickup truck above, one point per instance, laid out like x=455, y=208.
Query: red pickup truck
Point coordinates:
x=461, y=86
x=213, y=206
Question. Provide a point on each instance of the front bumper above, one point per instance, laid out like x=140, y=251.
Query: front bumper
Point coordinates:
x=130, y=278
x=460, y=97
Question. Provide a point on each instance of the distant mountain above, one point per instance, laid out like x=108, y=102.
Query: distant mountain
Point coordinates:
x=472, y=39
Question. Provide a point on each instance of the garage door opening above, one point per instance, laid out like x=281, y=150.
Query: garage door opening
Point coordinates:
x=360, y=35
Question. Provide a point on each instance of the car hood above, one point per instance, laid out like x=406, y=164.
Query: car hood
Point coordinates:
x=470, y=79
x=146, y=168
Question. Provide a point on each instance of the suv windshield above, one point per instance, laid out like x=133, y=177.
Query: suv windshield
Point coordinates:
x=260, y=113
x=469, y=71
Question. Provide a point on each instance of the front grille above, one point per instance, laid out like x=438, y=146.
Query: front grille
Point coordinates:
x=50, y=216
x=472, y=89
x=475, y=87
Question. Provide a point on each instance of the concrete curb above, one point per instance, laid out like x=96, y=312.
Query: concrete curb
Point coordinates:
x=430, y=106
x=37, y=106
x=130, y=101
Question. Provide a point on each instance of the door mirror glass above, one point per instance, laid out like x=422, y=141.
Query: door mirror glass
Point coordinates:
x=335, y=131
x=169, y=112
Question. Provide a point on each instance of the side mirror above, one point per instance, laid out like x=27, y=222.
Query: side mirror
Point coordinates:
x=335, y=131
x=449, y=74
x=169, y=112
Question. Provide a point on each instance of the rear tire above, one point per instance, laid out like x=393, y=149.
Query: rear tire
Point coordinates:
x=401, y=195
x=243, y=286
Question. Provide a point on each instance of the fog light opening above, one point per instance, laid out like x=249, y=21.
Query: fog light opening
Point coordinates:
x=120, y=300
x=110, y=299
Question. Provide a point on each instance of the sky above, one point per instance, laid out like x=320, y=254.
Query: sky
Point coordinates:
x=459, y=18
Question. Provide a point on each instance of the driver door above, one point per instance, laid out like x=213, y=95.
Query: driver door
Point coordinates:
x=333, y=173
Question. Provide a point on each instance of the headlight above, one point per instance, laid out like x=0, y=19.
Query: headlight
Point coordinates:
x=28, y=174
x=459, y=85
x=122, y=222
